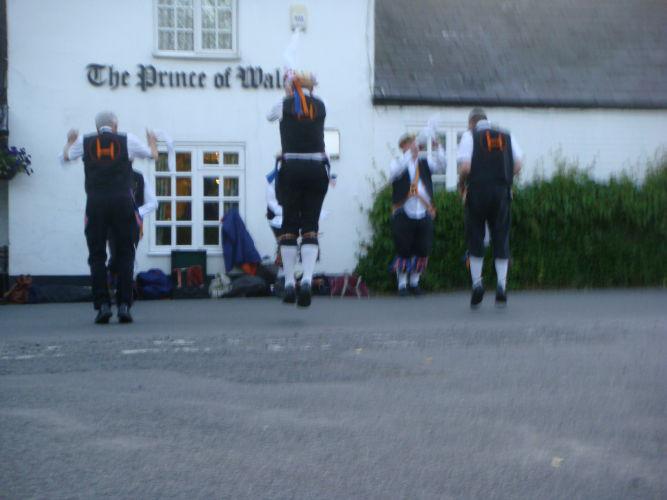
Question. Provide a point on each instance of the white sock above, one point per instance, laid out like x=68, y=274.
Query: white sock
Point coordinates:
x=501, y=272
x=476, y=264
x=414, y=279
x=288, y=253
x=308, y=259
x=402, y=279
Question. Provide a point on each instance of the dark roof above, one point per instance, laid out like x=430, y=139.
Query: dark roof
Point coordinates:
x=572, y=53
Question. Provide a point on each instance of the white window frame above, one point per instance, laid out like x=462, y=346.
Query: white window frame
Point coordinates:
x=198, y=172
x=198, y=52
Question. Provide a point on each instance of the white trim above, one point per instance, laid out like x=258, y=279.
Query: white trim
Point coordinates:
x=232, y=54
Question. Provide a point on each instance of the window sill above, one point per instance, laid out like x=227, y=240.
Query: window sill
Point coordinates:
x=228, y=56
x=167, y=252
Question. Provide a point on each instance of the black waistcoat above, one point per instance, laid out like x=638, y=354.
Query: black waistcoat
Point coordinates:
x=107, y=167
x=492, y=162
x=138, y=188
x=401, y=185
x=301, y=134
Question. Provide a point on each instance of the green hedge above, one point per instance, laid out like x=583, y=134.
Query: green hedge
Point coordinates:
x=567, y=231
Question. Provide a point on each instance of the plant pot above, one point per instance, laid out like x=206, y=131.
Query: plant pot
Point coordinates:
x=6, y=176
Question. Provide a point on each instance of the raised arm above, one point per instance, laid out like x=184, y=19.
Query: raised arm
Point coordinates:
x=437, y=162
x=276, y=112
x=73, y=149
x=150, y=201
x=137, y=149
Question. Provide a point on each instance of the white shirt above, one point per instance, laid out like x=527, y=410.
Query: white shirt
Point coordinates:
x=135, y=149
x=414, y=208
x=272, y=203
x=150, y=202
x=464, y=152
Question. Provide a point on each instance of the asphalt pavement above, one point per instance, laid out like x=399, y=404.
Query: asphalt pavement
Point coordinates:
x=563, y=395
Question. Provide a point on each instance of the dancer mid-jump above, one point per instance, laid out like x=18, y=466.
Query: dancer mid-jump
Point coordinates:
x=302, y=180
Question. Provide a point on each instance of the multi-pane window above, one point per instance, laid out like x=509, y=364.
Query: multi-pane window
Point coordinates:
x=206, y=184
x=206, y=27
x=449, y=137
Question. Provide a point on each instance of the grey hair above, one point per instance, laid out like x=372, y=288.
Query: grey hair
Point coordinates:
x=105, y=119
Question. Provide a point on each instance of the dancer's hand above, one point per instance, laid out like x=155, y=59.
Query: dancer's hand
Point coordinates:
x=72, y=136
x=152, y=143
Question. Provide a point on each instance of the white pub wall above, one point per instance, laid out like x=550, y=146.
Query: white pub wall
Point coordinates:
x=49, y=93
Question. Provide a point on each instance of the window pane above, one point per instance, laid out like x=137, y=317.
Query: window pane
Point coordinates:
x=211, y=186
x=208, y=39
x=230, y=158
x=185, y=40
x=225, y=3
x=208, y=3
x=166, y=40
x=211, y=158
x=224, y=41
x=161, y=165
x=228, y=205
x=163, y=210
x=211, y=235
x=165, y=17
x=183, y=186
x=183, y=162
x=207, y=18
x=163, y=235
x=184, y=18
x=183, y=210
x=224, y=20
x=211, y=210
x=458, y=137
x=183, y=235
x=166, y=2
x=231, y=186
x=185, y=3
x=163, y=186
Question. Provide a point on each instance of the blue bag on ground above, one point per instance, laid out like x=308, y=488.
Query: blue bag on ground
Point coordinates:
x=153, y=284
x=237, y=244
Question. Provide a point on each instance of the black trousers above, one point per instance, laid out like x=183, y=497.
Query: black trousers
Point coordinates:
x=300, y=189
x=110, y=215
x=412, y=237
x=490, y=204
x=111, y=266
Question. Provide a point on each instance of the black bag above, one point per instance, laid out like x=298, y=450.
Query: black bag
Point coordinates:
x=249, y=286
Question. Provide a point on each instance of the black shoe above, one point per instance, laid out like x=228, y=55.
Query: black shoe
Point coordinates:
x=124, y=315
x=289, y=295
x=501, y=297
x=416, y=291
x=477, y=296
x=103, y=314
x=403, y=292
x=305, y=294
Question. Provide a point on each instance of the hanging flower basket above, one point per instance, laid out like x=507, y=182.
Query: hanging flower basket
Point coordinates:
x=12, y=161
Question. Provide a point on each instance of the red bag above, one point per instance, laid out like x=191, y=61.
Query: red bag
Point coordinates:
x=348, y=285
x=20, y=291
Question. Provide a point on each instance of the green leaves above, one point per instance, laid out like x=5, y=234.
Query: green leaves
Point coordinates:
x=567, y=231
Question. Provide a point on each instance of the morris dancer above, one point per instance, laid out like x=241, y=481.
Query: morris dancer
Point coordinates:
x=413, y=211
x=302, y=180
x=107, y=159
x=488, y=160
